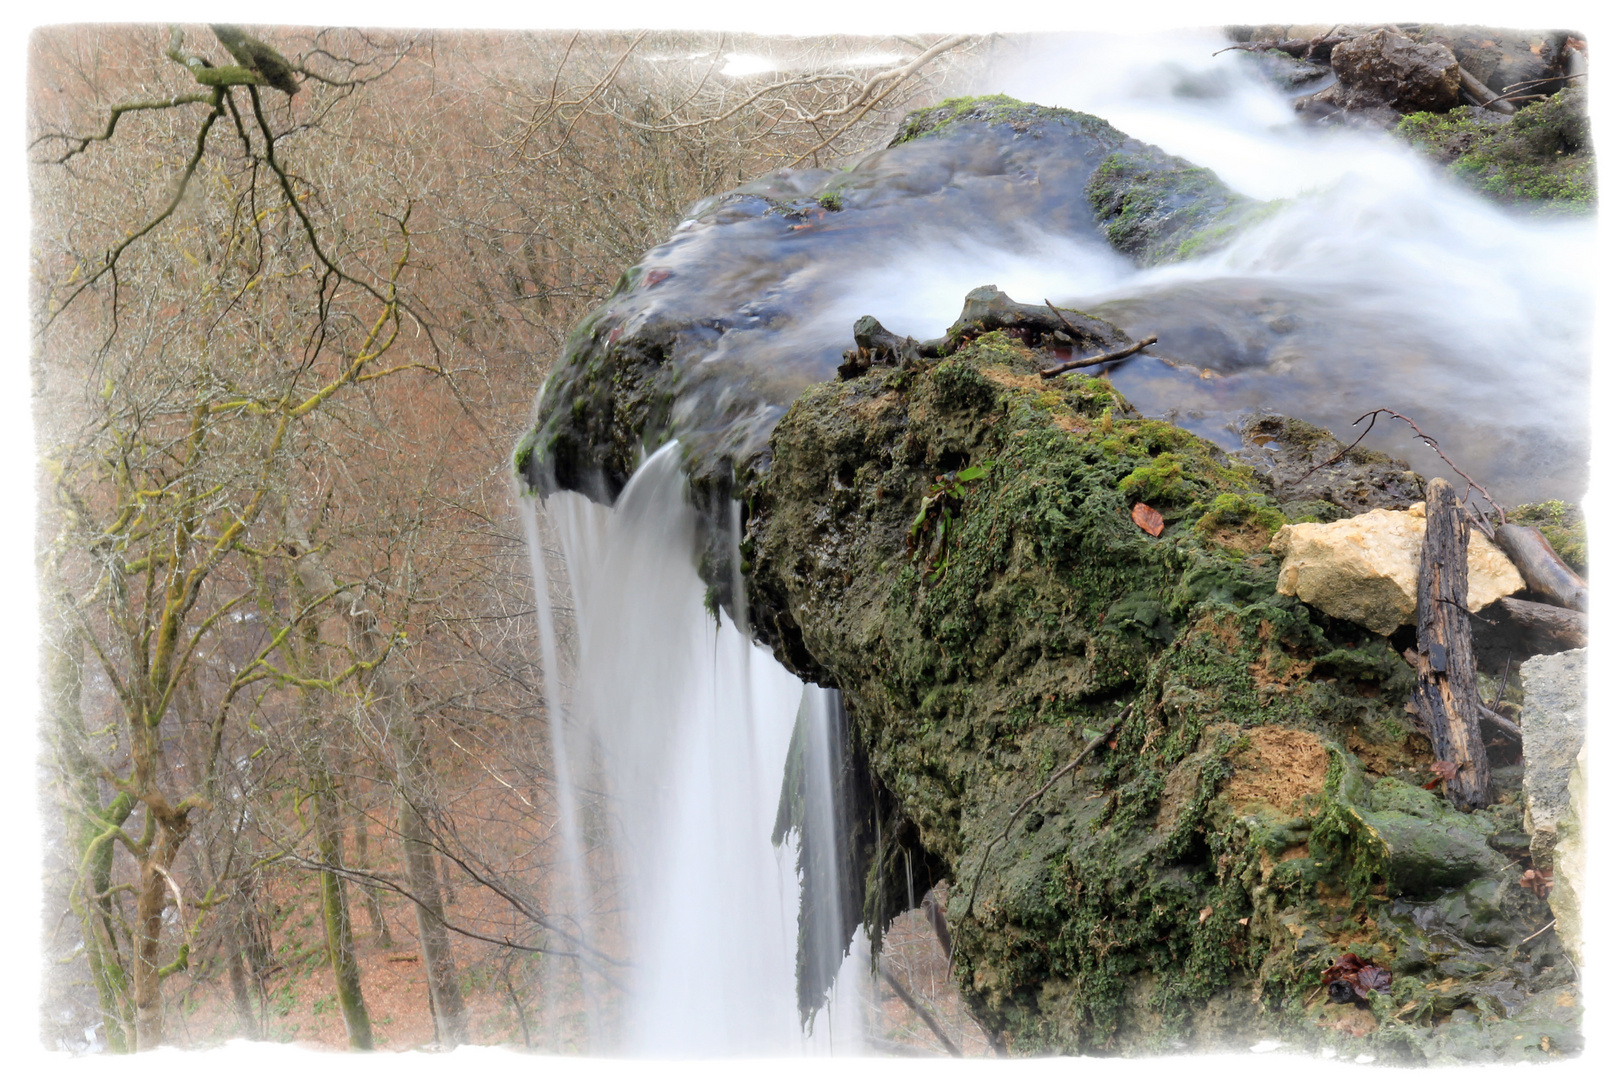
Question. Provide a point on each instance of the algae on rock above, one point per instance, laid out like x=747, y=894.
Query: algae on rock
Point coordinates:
x=1187, y=887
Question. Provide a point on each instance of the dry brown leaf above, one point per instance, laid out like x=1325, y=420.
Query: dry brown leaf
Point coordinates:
x=1148, y=519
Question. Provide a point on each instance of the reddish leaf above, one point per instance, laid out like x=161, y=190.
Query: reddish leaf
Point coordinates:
x=1445, y=770
x=1537, y=882
x=655, y=275
x=1148, y=519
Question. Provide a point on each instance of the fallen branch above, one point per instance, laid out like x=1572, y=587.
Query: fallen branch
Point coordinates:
x=917, y=1007
x=1117, y=354
x=1560, y=627
x=1019, y=810
x=1541, y=567
x=1503, y=723
x=1482, y=93
x=1447, y=697
x=1432, y=445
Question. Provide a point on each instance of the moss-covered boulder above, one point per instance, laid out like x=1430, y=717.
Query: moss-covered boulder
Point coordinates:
x=957, y=545
x=713, y=333
x=1539, y=158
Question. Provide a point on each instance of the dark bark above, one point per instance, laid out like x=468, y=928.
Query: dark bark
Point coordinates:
x=1446, y=697
x=1543, y=570
x=1546, y=628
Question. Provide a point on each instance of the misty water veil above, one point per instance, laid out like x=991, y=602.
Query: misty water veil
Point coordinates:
x=1389, y=287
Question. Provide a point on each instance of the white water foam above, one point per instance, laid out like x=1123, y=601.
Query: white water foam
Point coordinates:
x=670, y=748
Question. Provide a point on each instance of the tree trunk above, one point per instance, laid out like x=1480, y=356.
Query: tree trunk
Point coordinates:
x=87, y=824
x=152, y=896
x=370, y=894
x=335, y=912
x=414, y=782
x=1447, y=697
x=422, y=880
x=247, y=1017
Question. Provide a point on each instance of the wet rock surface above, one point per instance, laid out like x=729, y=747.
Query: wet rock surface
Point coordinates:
x=953, y=541
x=714, y=332
x=1383, y=74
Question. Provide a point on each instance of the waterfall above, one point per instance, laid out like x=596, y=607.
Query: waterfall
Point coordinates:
x=1372, y=281
x=670, y=731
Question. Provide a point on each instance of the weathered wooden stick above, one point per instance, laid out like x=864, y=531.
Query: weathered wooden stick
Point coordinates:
x=1117, y=354
x=1446, y=697
x=1559, y=627
x=1482, y=94
x=1543, y=570
x=1502, y=723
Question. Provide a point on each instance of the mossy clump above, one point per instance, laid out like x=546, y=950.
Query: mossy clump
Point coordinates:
x=1239, y=524
x=1139, y=907
x=995, y=109
x=1158, y=208
x=1539, y=158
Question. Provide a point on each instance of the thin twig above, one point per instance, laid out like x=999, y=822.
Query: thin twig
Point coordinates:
x=1019, y=810
x=1428, y=440
x=1543, y=930
x=1117, y=354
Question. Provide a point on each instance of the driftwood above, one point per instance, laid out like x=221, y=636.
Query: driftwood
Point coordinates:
x=876, y=345
x=1482, y=94
x=1117, y=354
x=1555, y=627
x=1446, y=697
x=1541, y=567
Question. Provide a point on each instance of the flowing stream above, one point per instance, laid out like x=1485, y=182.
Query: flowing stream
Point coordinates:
x=1376, y=283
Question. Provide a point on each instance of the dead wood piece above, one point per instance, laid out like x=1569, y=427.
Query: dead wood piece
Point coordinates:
x=1543, y=570
x=1117, y=354
x=1447, y=698
x=1558, y=627
x=876, y=345
x=1482, y=94
x=1501, y=722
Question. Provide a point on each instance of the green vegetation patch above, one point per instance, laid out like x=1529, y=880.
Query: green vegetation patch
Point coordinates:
x=1158, y=208
x=1540, y=157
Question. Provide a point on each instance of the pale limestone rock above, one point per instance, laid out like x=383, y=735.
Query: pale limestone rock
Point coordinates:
x=1569, y=864
x=1365, y=568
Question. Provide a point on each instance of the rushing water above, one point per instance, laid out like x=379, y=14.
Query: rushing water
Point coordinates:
x=669, y=746
x=1375, y=283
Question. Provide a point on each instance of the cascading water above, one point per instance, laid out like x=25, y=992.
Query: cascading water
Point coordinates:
x=669, y=747
x=1375, y=283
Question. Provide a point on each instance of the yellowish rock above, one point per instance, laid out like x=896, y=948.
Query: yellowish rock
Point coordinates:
x=1364, y=568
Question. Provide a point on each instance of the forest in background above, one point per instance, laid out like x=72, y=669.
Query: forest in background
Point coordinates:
x=292, y=292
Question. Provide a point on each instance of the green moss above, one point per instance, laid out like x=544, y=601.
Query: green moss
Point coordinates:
x=1157, y=208
x=830, y=200
x=1540, y=158
x=993, y=109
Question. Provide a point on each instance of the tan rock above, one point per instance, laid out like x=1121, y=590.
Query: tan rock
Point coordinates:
x=1365, y=568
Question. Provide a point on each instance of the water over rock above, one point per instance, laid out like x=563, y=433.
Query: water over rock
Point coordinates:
x=953, y=541
x=713, y=333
